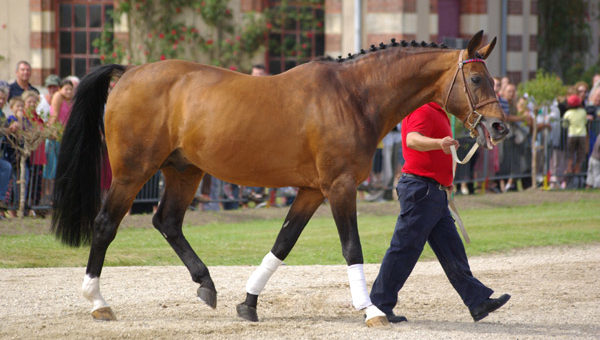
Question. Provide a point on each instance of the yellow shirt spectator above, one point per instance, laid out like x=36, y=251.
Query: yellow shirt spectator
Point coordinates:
x=577, y=121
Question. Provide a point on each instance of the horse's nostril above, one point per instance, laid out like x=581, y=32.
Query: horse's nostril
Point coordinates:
x=499, y=127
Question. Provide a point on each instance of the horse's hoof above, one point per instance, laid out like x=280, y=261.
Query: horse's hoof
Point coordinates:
x=377, y=321
x=246, y=312
x=209, y=296
x=104, y=314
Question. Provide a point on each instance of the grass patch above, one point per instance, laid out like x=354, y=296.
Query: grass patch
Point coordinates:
x=491, y=230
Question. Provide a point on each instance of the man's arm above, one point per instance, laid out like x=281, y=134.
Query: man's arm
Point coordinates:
x=417, y=141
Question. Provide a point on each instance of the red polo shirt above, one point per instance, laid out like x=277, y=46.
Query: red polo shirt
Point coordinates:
x=430, y=120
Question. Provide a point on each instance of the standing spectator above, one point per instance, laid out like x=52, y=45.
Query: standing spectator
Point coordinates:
x=14, y=123
x=37, y=159
x=5, y=167
x=593, y=172
x=515, y=146
x=3, y=100
x=575, y=120
x=581, y=87
x=52, y=84
x=59, y=114
x=21, y=84
x=425, y=217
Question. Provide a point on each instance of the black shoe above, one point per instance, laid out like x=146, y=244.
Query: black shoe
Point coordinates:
x=395, y=318
x=488, y=306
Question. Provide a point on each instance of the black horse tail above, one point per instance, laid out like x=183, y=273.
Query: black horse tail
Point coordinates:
x=76, y=193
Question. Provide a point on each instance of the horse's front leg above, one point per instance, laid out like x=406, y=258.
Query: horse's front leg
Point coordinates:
x=342, y=197
x=305, y=204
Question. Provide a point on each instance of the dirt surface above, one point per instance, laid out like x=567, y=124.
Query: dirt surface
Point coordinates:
x=555, y=294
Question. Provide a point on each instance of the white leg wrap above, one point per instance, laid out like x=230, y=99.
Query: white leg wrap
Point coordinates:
x=358, y=287
x=257, y=281
x=91, y=291
x=372, y=311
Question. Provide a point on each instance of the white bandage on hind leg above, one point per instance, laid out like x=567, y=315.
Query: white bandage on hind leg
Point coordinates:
x=91, y=291
x=358, y=287
x=261, y=275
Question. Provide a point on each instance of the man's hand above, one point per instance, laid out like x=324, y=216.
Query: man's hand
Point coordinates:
x=446, y=142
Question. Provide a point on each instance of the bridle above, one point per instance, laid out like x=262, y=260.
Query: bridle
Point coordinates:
x=471, y=122
x=474, y=117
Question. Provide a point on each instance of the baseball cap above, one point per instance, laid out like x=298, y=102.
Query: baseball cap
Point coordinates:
x=52, y=79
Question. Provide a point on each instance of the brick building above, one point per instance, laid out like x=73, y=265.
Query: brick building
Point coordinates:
x=513, y=22
x=55, y=35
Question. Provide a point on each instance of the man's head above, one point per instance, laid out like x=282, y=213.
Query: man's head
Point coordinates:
x=23, y=72
x=258, y=70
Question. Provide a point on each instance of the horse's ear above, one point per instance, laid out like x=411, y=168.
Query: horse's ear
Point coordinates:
x=487, y=49
x=474, y=43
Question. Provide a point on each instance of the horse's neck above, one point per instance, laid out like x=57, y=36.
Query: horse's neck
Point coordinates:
x=392, y=86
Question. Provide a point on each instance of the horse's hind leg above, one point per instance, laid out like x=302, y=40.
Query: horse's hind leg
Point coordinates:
x=118, y=201
x=180, y=187
x=305, y=204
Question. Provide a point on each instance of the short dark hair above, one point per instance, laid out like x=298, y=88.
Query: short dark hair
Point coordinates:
x=22, y=62
x=259, y=66
x=65, y=82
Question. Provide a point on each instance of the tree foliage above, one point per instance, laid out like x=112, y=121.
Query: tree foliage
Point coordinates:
x=564, y=37
x=198, y=30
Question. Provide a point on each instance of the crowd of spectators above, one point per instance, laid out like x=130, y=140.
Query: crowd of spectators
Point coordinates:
x=29, y=109
x=565, y=140
x=567, y=133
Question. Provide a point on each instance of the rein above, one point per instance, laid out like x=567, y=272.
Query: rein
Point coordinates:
x=471, y=126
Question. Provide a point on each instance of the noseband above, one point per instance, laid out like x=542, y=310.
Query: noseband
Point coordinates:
x=474, y=117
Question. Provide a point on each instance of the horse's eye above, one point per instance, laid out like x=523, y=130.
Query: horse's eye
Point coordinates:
x=476, y=79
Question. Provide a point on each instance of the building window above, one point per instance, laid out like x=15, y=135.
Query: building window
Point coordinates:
x=79, y=23
x=297, y=35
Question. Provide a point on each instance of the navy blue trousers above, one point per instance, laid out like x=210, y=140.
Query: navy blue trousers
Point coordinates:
x=424, y=217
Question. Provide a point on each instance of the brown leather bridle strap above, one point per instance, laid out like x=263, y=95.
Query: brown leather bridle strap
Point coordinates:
x=467, y=122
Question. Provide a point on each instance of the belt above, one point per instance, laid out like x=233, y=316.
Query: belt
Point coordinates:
x=426, y=179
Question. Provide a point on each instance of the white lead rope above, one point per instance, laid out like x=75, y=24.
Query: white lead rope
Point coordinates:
x=451, y=204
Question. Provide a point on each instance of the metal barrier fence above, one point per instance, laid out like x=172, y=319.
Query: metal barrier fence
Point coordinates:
x=510, y=160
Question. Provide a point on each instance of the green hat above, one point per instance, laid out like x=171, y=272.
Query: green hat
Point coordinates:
x=52, y=79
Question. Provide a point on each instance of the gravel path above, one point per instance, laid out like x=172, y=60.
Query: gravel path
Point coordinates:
x=555, y=295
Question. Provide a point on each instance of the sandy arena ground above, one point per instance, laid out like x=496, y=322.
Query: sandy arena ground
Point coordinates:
x=555, y=294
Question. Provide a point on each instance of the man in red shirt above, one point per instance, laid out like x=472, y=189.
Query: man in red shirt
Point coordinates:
x=425, y=217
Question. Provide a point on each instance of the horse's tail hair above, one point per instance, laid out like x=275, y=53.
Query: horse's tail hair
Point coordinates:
x=76, y=195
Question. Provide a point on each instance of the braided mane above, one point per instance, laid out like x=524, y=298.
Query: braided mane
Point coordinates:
x=382, y=46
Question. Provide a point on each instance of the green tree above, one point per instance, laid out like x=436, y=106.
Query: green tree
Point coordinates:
x=564, y=37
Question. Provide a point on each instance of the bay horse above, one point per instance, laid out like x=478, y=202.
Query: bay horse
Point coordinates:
x=315, y=127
